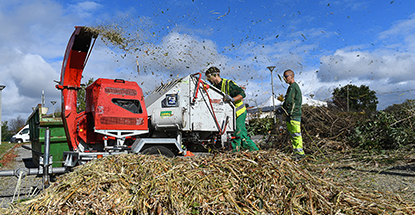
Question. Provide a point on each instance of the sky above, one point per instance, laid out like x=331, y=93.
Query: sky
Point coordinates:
x=328, y=44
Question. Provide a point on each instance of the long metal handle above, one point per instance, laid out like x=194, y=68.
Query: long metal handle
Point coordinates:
x=29, y=148
x=46, y=158
x=196, y=87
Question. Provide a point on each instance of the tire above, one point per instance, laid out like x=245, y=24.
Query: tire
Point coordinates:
x=19, y=141
x=158, y=150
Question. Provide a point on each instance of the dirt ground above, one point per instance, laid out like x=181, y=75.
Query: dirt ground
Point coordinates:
x=11, y=188
x=388, y=172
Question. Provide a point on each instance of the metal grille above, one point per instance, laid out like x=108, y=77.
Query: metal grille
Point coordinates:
x=121, y=121
x=121, y=91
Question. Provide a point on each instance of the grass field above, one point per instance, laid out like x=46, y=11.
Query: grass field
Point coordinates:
x=5, y=146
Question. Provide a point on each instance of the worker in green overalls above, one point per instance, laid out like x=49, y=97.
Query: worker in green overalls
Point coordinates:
x=235, y=94
x=292, y=106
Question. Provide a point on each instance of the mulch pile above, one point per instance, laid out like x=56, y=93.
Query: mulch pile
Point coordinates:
x=263, y=182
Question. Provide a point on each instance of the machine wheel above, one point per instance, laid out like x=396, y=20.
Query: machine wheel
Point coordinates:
x=158, y=150
x=19, y=141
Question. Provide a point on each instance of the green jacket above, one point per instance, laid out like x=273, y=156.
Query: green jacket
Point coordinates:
x=231, y=88
x=234, y=89
x=293, y=101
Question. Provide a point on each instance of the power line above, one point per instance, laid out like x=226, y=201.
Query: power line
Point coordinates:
x=391, y=92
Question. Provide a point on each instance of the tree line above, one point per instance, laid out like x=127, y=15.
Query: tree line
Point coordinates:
x=9, y=128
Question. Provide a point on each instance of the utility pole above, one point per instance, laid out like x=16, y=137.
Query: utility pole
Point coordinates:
x=271, y=68
x=347, y=87
x=1, y=89
x=43, y=98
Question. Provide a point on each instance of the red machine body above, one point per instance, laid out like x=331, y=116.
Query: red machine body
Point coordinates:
x=116, y=105
x=115, y=109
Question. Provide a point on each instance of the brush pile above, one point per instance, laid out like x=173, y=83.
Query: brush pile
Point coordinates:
x=317, y=124
x=329, y=122
x=264, y=182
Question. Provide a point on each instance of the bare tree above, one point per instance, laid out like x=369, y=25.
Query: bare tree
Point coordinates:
x=16, y=124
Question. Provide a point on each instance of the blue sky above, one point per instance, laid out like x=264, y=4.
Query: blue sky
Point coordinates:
x=328, y=44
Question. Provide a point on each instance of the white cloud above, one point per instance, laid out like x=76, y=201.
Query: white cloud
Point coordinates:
x=381, y=73
x=84, y=9
x=387, y=70
x=34, y=35
x=25, y=76
x=178, y=54
x=402, y=27
x=31, y=73
x=400, y=36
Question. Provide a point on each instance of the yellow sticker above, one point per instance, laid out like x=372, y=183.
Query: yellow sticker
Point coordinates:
x=164, y=114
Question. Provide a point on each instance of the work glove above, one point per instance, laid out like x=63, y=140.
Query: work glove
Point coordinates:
x=281, y=98
x=228, y=98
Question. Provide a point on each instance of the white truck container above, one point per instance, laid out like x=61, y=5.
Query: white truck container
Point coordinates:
x=21, y=136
